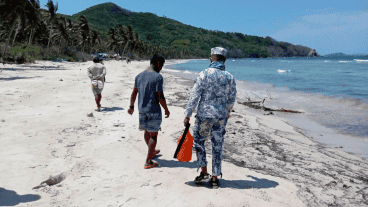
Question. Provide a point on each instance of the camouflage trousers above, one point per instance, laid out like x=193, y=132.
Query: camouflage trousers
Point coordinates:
x=203, y=128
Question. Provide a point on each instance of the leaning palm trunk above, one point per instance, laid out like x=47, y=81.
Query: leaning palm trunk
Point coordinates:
x=59, y=46
x=134, y=48
x=48, y=44
x=16, y=33
x=125, y=47
x=30, y=35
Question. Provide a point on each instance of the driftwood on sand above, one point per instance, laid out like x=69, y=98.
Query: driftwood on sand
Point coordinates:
x=260, y=105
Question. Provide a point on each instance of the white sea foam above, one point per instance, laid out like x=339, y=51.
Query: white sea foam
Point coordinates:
x=169, y=70
x=360, y=61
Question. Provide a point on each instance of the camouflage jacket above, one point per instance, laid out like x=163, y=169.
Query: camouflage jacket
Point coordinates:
x=215, y=89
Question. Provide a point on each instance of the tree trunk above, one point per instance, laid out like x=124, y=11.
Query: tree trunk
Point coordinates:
x=30, y=35
x=59, y=46
x=8, y=41
x=16, y=33
x=125, y=47
x=48, y=44
x=134, y=48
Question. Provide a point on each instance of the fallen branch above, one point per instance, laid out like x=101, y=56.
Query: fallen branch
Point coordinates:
x=253, y=104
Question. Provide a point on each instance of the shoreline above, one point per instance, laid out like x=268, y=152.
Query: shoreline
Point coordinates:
x=238, y=156
x=330, y=136
x=99, y=160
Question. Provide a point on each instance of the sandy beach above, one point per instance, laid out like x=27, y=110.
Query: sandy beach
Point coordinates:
x=47, y=137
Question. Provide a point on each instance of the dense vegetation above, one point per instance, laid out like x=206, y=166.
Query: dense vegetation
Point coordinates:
x=106, y=27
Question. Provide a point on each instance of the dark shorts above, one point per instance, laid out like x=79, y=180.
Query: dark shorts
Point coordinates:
x=150, y=122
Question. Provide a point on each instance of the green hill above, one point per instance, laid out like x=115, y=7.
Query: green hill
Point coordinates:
x=171, y=33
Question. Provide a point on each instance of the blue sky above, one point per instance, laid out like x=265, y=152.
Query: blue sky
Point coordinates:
x=325, y=25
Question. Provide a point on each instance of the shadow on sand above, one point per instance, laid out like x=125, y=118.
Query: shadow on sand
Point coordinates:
x=15, y=78
x=174, y=163
x=107, y=109
x=11, y=198
x=239, y=184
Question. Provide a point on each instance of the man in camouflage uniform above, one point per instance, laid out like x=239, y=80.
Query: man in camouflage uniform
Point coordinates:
x=215, y=90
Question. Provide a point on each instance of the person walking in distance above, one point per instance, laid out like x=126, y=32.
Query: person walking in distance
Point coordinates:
x=97, y=72
x=149, y=86
x=215, y=90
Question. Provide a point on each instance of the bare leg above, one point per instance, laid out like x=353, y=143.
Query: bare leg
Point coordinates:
x=99, y=100
x=146, y=137
x=151, y=141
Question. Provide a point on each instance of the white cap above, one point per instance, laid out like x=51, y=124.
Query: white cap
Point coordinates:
x=218, y=51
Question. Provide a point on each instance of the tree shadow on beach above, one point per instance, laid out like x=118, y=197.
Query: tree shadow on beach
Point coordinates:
x=239, y=184
x=174, y=163
x=108, y=109
x=11, y=198
x=15, y=78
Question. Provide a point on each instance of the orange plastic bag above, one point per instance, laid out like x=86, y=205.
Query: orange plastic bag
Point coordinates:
x=184, y=149
x=185, y=153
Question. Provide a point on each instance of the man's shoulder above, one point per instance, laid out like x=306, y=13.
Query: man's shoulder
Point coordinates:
x=150, y=75
x=160, y=76
x=90, y=66
x=209, y=71
x=229, y=74
x=155, y=74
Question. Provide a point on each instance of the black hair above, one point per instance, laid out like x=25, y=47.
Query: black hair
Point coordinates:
x=96, y=59
x=157, y=59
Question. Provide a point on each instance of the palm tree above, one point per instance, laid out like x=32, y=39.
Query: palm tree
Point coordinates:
x=113, y=43
x=136, y=42
x=19, y=12
x=94, y=39
x=130, y=35
x=119, y=38
x=34, y=20
x=63, y=32
x=70, y=30
x=53, y=18
x=84, y=28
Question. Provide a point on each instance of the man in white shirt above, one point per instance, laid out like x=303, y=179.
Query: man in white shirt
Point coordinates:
x=97, y=72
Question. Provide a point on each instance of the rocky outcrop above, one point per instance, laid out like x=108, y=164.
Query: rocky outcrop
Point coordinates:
x=313, y=53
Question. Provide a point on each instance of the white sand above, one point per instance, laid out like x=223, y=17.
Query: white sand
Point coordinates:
x=98, y=161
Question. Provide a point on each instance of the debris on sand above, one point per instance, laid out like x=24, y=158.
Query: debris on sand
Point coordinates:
x=53, y=180
x=257, y=105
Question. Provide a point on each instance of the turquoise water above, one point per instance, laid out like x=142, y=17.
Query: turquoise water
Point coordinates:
x=330, y=91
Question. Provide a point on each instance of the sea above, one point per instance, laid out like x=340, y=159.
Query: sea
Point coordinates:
x=331, y=92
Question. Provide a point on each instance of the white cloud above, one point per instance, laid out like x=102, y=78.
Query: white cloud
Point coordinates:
x=328, y=32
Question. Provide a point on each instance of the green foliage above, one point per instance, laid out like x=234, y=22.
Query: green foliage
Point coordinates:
x=23, y=53
x=170, y=33
x=154, y=34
